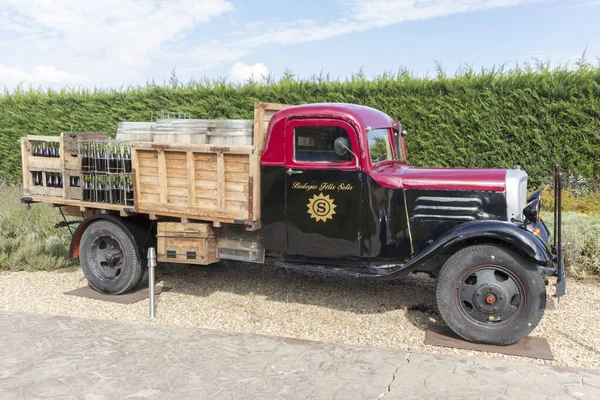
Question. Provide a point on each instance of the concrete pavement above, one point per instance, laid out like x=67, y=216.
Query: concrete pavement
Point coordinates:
x=61, y=357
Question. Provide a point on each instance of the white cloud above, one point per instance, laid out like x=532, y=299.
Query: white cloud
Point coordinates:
x=45, y=75
x=111, y=41
x=241, y=72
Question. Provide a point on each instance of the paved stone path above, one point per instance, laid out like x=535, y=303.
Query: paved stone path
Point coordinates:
x=61, y=357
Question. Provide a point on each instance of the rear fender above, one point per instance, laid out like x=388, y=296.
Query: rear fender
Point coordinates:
x=521, y=240
x=137, y=233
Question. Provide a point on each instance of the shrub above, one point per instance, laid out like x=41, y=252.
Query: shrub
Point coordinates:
x=28, y=240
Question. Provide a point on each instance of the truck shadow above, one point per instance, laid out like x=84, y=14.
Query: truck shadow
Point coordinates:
x=414, y=294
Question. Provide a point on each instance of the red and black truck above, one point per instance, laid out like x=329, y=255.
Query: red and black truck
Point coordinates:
x=328, y=188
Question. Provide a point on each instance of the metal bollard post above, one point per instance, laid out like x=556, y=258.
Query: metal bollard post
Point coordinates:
x=151, y=267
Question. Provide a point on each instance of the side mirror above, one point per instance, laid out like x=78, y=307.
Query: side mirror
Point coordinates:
x=341, y=146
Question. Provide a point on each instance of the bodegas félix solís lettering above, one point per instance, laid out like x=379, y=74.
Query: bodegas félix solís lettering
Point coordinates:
x=321, y=187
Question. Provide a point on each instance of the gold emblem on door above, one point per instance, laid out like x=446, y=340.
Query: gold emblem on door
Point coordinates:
x=321, y=207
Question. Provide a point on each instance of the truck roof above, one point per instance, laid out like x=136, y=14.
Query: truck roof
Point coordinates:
x=360, y=117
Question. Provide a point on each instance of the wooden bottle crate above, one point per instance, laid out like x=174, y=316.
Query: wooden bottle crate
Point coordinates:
x=190, y=243
x=69, y=163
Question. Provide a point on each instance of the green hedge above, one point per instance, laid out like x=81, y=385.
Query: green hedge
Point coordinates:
x=525, y=117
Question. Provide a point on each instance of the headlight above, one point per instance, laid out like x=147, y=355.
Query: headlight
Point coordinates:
x=532, y=209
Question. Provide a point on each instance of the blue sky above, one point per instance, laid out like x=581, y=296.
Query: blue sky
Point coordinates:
x=108, y=43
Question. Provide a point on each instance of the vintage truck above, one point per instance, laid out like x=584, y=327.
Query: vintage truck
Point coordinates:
x=323, y=187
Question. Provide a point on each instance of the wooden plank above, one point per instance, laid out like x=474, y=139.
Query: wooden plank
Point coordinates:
x=176, y=182
x=40, y=138
x=148, y=180
x=241, y=177
x=171, y=210
x=85, y=205
x=162, y=176
x=177, y=200
x=44, y=162
x=150, y=189
x=25, y=165
x=191, y=187
x=237, y=167
x=146, y=154
x=176, y=163
x=177, y=191
x=221, y=180
x=196, y=148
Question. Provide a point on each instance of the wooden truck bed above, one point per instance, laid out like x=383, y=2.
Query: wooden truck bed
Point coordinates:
x=190, y=181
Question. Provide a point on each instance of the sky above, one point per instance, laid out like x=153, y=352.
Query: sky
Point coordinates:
x=115, y=43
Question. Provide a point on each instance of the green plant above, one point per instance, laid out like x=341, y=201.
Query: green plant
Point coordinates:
x=581, y=243
x=28, y=240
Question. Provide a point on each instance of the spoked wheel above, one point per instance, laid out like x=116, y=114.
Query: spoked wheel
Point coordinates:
x=109, y=259
x=488, y=294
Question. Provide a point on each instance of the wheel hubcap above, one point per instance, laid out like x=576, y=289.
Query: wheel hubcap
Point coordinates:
x=107, y=258
x=490, y=295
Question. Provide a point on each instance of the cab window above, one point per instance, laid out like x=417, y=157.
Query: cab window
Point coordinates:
x=315, y=144
x=380, y=147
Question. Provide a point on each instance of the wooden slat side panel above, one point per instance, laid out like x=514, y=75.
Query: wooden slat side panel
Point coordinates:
x=25, y=166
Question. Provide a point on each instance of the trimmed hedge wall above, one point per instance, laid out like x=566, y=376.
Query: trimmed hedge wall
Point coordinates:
x=525, y=117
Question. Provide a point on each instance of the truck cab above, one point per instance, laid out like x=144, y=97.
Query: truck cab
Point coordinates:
x=338, y=195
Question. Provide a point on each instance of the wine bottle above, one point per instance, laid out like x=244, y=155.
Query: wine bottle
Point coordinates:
x=60, y=180
x=121, y=189
x=35, y=150
x=119, y=159
x=127, y=159
x=99, y=190
x=85, y=157
x=58, y=150
x=92, y=189
x=128, y=192
x=114, y=189
x=106, y=188
x=98, y=156
x=91, y=158
x=86, y=188
x=112, y=160
x=52, y=150
x=105, y=156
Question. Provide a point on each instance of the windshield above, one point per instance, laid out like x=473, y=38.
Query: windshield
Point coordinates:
x=380, y=147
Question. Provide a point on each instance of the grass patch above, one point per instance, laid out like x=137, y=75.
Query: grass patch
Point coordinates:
x=581, y=243
x=28, y=239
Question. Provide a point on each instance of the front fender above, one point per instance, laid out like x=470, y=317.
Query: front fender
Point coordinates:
x=522, y=240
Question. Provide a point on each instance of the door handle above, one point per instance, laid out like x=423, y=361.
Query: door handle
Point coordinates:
x=293, y=172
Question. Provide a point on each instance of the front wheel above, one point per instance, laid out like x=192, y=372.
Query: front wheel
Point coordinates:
x=109, y=258
x=488, y=294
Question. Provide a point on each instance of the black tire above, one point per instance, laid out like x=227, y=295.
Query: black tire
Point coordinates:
x=109, y=259
x=488, y=294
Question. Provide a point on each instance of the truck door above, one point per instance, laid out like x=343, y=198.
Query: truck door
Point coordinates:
x=323, y=190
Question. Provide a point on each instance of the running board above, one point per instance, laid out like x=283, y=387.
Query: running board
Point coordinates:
x=354, y=271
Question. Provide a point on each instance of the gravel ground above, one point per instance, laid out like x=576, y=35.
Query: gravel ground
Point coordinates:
x=267, y=300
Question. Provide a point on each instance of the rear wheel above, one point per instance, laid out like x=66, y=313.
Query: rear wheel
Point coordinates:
x=109, y=258
x=488, y=294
